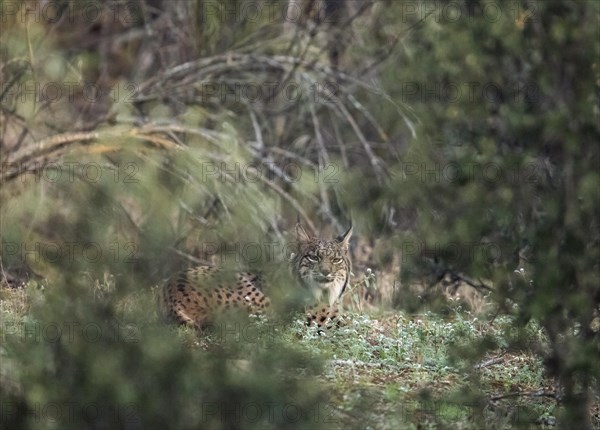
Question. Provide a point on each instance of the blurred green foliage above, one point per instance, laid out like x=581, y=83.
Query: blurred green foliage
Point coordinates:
x=506, y=153
x=479, y=117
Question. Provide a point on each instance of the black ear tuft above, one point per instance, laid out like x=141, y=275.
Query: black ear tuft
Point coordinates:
x=345, y=238
x=301, y=234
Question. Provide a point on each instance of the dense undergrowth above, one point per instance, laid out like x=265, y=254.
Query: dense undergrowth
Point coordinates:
x=382, y=370
x=459, y=138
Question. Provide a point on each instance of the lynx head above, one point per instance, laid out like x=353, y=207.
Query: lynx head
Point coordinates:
x=322, y=265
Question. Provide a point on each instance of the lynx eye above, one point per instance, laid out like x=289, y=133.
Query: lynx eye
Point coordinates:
x=312, y=259
x=337, y=261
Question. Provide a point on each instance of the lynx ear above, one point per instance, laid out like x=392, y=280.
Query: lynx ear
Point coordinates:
x=344, y=239
x=301, y=234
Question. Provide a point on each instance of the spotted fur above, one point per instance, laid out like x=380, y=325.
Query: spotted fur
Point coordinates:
x=196, y=296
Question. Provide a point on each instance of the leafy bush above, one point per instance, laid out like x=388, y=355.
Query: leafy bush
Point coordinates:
x=462, y=134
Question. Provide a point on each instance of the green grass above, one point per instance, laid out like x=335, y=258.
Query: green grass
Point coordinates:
x=402, y=367
x=382, y=370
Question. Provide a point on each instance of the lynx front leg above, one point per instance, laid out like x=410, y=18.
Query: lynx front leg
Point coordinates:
x=323, y=316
